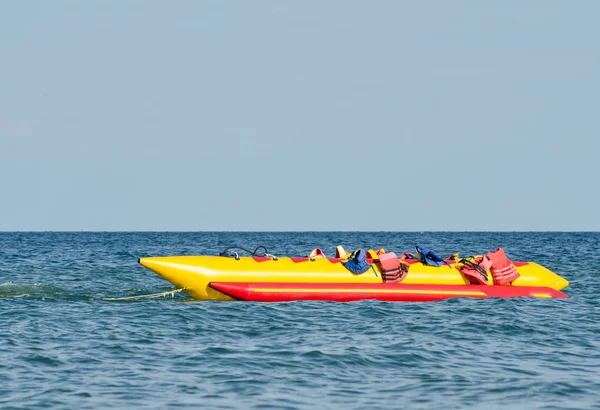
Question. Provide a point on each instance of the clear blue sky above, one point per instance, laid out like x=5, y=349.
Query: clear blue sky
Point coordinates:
x=306, y=115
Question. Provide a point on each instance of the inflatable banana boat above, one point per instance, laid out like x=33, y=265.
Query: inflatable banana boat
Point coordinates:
x=267, y=278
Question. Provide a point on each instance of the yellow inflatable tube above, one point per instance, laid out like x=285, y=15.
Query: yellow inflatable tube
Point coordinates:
x=195, y=273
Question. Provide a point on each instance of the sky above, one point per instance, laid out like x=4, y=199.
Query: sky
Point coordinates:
x=306, y=115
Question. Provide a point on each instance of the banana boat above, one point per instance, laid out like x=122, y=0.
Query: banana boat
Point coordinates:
x=266, y=278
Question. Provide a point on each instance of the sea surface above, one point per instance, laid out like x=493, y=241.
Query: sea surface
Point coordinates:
x=63, y=345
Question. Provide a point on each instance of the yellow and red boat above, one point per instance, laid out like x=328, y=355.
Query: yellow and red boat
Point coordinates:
x=270, y=279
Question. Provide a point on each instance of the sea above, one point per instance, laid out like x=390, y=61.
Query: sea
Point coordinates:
x=77, y=332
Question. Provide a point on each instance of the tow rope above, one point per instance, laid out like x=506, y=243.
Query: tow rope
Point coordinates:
x=150, y=296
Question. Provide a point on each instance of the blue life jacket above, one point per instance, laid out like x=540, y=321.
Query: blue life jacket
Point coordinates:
x=357, y=262
x=427, y=257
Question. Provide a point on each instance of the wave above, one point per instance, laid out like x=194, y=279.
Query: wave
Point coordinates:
x=19, y=290
x=40, y=291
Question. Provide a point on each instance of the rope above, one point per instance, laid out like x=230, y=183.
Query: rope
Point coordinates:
x=150, y=296
x=253, y=253
x=229, y=253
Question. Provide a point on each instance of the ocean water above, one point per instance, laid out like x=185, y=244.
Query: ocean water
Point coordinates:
x=63, y=345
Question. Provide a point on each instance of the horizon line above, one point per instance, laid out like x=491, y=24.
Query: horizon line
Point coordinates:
x=296, y=231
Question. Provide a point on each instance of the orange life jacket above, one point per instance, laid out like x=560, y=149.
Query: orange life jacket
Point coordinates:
x=503, y=270
x=475, y=269
x=392, y=269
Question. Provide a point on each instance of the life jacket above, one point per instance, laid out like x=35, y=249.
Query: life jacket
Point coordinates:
x=475, y=269
x=503, y=270
x=427, y=257
x=357, y=262
x=392, y=269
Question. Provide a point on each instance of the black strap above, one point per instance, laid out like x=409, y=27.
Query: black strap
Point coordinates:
x=475, y=266
x=395, y=274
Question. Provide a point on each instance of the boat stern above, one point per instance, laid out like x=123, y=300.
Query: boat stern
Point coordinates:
x=533, y=274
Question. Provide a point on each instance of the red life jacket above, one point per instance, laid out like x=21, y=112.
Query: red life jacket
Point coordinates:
x=503, y=270
x=392, y=269
x=475, y=269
